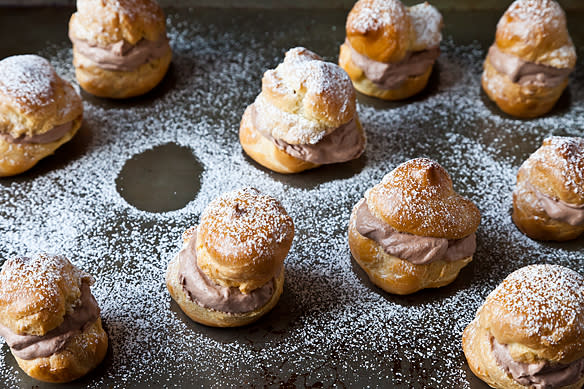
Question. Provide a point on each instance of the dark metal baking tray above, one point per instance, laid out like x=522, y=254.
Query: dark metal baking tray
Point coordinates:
x=332, y=327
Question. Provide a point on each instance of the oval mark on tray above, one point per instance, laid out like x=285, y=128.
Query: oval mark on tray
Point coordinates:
x=161, y=179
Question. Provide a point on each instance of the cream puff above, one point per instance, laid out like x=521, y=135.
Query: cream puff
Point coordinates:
x=230, y=270
x=413, y=231
x=120, y=47
x=390, y=49
x=529, y=332
x=49, y=318
x=39, y=111
x=548, y=200
x=304, y=117
x=527, y=67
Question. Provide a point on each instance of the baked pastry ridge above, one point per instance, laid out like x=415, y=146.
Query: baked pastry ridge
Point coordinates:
x=49, y=318
x=529, y=331
x=120, y=47
x=304, y=117
x=230, y=270
x=390, y=49
x=527, y=67
x=39, y=112
x=548, y=200
x=412, y=231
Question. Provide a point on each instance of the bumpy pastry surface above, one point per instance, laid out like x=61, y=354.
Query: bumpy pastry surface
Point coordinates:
x=36, y=294
x=537, y=312
x=535, y=32
x=208, y=316
x=33, y=101
x=387, y=32
x=106, y=24
x=556, y=171
x=243, y=238
x=303, y=101
x=416, y=198
x=230, y=271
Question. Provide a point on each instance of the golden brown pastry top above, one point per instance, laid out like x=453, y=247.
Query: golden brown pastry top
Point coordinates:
x=386, y=30
x=538, y=311
x=556, y=169
x=36, y=293
x=103, y=22
x=312, y=90
x=33, y=98
x=247, y=235
x=417, y=197
x=536, y=31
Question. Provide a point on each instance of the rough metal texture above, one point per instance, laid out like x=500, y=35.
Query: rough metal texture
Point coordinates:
x=332, y=326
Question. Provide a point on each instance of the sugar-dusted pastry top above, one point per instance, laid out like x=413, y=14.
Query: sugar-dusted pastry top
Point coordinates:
x=104, y=22
x=417, y=197
x=536, y=31
x=305, y=98
x=34, y=99
x=37, y=293
x=243, y=238
x=538, y=311
x=556, y=169
x=387, y=31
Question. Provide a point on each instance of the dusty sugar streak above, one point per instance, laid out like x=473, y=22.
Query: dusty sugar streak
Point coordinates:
x=330, y=322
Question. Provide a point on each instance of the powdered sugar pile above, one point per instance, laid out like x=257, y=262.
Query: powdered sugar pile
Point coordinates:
x=331, y=325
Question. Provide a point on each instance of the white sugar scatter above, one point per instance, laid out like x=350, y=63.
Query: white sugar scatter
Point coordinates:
x=27, y=81
x=331, y=326
x=550, y=297
x=427, y=23
x=377, y=14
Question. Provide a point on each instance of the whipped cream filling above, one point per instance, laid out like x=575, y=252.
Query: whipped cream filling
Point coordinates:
x=343, y=144
x=53, y=135
x=122, y=56
x=559, y=210
x=203, y=291
x=388, y=75
x=542, y=375
x=418, y=250
x=29, y=347
x=524, y=72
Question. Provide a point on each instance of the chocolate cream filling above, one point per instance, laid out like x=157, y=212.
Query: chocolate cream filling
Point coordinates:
x=418, y=250
x=524, y=72
x=122, y=56
x=559, y=210
x=541, y=375
x=343, y=144
x=388, y=75
x=53, y=135
x=203, y=291
x=29, y=347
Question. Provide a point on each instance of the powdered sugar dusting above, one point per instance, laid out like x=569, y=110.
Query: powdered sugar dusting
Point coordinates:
x=427, y=24
x=27, y=81
x=376, y=14
x=248, y=222
x=331, y=326
x=550, y=299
